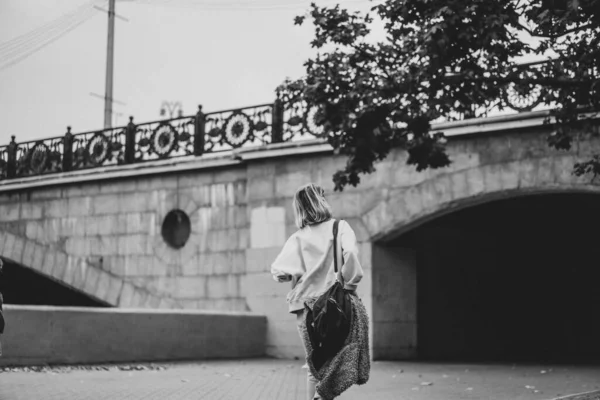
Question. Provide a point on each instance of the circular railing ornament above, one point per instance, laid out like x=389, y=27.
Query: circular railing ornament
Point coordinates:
x=520, y=99
x=98, y=149
x=238, y=128
x=310, y=122
x=38, y=161
x=164, y=140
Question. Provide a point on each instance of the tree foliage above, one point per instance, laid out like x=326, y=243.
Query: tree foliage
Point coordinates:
x=444, y=60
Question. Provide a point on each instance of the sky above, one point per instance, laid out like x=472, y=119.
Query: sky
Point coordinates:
x=192, y=51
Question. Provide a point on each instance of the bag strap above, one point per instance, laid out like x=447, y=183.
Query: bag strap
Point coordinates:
x=335, y=232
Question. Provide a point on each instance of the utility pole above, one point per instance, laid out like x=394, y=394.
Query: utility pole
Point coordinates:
x=110, y=59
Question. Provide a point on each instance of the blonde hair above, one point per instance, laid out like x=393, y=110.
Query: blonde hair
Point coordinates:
x=310, y=205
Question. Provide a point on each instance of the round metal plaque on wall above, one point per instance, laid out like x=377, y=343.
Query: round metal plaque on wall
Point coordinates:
x=176, y=228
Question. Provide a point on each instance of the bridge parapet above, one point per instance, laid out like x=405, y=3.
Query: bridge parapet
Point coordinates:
x=284, y=120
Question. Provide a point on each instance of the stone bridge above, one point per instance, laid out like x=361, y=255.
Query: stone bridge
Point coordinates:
x=486, y=258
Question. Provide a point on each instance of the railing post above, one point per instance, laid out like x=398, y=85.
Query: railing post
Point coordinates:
x=130, y=142
x=199, y=132
x=277, y=121
x=67, y=161
x=11, y=165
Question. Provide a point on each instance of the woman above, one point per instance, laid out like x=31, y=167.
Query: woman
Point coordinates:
x=307, y=261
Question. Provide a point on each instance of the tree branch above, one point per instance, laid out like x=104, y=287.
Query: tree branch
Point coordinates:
x=567, y=32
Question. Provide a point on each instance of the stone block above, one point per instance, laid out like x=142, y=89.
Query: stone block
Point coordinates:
x=152, y=301
x=104, y=245
x=56, y=208
x=139, y=266
x=459, y=185
x=239, y=193
x=365, y=254
x=86, y=189
x=201, y=195
x=222, y=217
x=136, y=202
x=192, y=266
x=136, y=222
x=48, y=233
x=222, y=286
x=286, y=185
x=28, y=251
x=49, y=261
x=60, y=265
x=219, y=263
x=147, y=183
x=45, y=194
x=92, y=279
x=509, y=174
x=243, y=238
x=39, y=254
x=33, y=210
x=10, y=212
x=527, y=173
x=563, y=169
x=195, y=179
x=76, y=246
x=80, y=272
x=261, y=188
x=262, y=284
x=182, y=287
x=237, y=259
x=260, y=260
x=106, y=204
x=475, y=182
x=492, y=178
x=126, y=295
x=91, y=225
x=274, y=307
x=115, y=286
x=80, y=206
x=3, y=237
x=14, y=248
x=217, y=240
x=122, y=186
x=230, y=175
x=267, y=227
x=240, y=218
x=133, y=245
x=138, y=300
x=545, y=175
x=103, y=283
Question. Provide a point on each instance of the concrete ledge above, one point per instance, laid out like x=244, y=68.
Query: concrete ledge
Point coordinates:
x=70, y=335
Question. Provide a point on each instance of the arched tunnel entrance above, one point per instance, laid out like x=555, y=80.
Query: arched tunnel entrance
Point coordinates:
x=24, y=286
x=510, y=280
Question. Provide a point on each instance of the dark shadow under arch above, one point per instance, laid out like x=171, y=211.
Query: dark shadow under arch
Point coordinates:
x=508, y=280
x=25, y=286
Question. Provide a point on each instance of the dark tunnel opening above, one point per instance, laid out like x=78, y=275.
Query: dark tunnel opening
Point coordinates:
x=510, y=280
x=24, y=286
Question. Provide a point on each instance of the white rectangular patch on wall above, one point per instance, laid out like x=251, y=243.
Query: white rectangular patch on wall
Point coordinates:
x=267, y=227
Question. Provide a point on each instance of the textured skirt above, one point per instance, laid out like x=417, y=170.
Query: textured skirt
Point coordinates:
x=352, y=364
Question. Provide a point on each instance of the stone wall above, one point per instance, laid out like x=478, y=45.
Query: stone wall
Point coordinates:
x=38, y=335
x=105, y=238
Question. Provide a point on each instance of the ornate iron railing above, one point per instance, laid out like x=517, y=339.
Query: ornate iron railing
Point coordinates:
x=195, y=135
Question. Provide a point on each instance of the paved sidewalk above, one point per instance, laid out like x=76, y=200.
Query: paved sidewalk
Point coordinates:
x=267, y=379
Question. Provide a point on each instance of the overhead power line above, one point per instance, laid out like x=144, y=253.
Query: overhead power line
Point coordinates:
x=246, y=5
x=21, y=47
